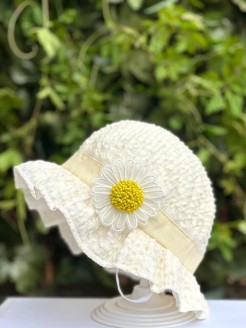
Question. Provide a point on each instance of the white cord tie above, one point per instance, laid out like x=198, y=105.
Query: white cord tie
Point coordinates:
x=142, y=299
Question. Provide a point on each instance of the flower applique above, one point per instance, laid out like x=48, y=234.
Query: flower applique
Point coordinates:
x=125, y=195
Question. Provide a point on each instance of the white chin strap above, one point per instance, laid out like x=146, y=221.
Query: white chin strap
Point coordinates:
x=142, y=299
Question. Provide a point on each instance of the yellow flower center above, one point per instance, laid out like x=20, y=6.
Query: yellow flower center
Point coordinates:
x=126, y=196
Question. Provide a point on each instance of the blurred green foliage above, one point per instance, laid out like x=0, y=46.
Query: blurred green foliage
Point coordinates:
x=179, y=64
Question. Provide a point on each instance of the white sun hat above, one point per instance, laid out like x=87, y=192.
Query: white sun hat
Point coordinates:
x=132, y=198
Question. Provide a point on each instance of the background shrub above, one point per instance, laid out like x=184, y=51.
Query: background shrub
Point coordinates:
x=74, y=66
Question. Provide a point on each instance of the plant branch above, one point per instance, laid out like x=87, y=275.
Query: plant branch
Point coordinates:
x=11, y=33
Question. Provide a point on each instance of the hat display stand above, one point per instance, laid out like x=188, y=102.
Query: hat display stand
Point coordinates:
x=158, y=312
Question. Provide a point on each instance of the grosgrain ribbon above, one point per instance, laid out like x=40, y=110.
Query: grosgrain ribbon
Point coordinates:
x=164, y=230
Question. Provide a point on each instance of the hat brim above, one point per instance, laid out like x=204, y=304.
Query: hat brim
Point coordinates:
x=63, y=200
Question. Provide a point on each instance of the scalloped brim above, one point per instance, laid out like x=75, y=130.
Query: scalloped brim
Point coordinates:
x=63, y=200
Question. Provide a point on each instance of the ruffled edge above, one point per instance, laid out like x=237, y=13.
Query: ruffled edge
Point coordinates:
x=134, y=252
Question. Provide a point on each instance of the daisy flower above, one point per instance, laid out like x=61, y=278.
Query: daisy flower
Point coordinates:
x=125, y=195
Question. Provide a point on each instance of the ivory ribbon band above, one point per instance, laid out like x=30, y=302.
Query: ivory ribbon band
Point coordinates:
x=164, y=230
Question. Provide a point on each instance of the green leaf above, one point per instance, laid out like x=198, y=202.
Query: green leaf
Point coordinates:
x=139, y=65
x=241, y=4
x=215, y=104
x=228, y=185
x=226, y=253
x=197, y=20
x=48, y=92
x=9, y=99
x=176, y=122
x=9, y=158
x=41, y=227
x=49, y=41
x=207, y=84
x=27, y=267
x=222, y=240
x=159, y=40
x=161, y=72
x=21, y=206
x=7, y=204
x=204, y=155
x=236, y=165
x=242, y=227
x=215, y=130
x=235, y=103
x=68, y=16
x=159, y=5
x=135, y=4
x=56, y=99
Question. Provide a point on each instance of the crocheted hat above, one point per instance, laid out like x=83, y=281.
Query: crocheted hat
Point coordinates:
x=133, y=198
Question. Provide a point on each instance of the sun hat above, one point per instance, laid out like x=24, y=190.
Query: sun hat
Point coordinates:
x=133, y=198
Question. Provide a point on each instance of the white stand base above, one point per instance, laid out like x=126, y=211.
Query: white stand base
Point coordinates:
x=28, y=312
x=159, y=312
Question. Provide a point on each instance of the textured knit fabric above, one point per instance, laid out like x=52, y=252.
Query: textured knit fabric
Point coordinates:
x=63, y=200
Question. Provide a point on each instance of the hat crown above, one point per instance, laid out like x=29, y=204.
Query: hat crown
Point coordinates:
x=189, y=199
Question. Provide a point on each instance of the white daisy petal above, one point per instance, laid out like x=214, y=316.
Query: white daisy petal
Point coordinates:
x=142, y=222
x=129, y=166
x=105, y=210
x=102, y=204
x=151, y=203
x=141, y=217
x=98, y=197
x=140, y=174
x=148, y=209
x=108, y=175
x=133, y=170
x=103, y=182
x=146, y=180
x=107, y=215
x=101, y=189
x=121, y=169
x=152, y=187
x=124, y=174
x=149, y=186
x=132, y=221
x=140, y=214
x=155, y=194
x=116, y=172
x=107, y=220
x=119, y=222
